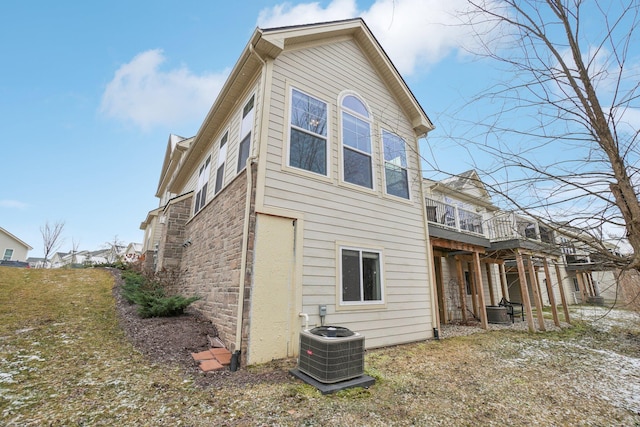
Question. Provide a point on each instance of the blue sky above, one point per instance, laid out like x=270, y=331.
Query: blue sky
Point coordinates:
x=90, y=92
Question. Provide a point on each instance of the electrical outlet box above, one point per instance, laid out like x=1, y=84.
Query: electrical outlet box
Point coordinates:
x=323, y=310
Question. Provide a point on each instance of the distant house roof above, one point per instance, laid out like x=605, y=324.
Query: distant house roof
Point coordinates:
x=459, y=181
x=26, y=245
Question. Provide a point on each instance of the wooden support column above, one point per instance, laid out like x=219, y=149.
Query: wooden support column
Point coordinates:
x=442, y=307
x=492, y=296
x=461, y=288
x=592, y=286
x=524, y=291
x=484, y=324
x=474, y=289
x=583, y=291
x=552, y=298
x=563, y=298
x=503, y=282
x=537, y=298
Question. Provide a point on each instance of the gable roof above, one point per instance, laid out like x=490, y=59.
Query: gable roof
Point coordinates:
x=466, y=180
x=176, y=146
x=26, y=245
x=269, y=43
x=459, y=185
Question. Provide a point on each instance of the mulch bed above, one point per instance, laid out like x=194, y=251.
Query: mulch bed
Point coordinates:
x=171, y=340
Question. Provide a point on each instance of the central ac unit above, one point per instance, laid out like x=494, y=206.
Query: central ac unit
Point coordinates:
x=331, y=354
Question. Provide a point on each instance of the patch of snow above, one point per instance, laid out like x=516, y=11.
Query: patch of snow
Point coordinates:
x=604, y=319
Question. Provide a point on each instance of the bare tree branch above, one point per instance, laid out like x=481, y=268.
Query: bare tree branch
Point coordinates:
x=51, y=238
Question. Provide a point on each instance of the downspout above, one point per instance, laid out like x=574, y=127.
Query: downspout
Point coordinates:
x=235, y=357
x=432, y=276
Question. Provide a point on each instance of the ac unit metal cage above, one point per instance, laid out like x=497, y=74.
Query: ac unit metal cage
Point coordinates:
x=331, y=354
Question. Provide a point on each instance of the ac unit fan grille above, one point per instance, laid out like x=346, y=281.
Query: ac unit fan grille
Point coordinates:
x=331, y=360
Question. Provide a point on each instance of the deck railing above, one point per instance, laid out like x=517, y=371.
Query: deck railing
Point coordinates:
x=503, y=226
x=508, y=226
x=453, y=217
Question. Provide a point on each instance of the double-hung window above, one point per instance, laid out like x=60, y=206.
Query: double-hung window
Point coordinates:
x=245, y=133
x=356, y=142
x=201, y=186
x=308, y=137
x=8, y=253
x=222, y=156
x=395, y=165
x=360, y=276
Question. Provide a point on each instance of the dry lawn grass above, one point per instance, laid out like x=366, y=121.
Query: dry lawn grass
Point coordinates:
x=64, y=361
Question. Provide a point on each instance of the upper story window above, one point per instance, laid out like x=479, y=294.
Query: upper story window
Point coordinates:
x=395, y=165
x=222, y=157
x=308, y=138
x=357, y=164
x=201, y=185
x=246, y=126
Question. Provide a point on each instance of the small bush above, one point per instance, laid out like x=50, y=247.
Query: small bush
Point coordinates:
x=134, y=284
x=150, y=296
x=162, y=306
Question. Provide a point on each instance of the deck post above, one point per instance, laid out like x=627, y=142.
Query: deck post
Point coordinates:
x=479, y=289
x=524, y=291
x=552, y=298
x=461, y=288
x=474, y=288
x=503, y=281
x=537, y=298
x=583, y=291
x=492, y=296
x=563, y=298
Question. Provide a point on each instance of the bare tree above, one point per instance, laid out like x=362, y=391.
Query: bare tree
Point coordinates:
x=114, y=249
x=51, y=238
x=74, y=251
x=563, y=142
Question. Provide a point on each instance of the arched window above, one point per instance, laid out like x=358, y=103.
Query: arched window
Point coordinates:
x=356, y=142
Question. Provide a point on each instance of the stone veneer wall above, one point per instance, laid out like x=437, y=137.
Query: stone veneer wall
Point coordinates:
x=147, y=262
x=173, y=236
x=211, y=264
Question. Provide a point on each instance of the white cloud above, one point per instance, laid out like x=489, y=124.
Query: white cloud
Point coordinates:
x=286, y=14
x=13, y=204
x=143, y=94
x=415, y=33
x=630, y=120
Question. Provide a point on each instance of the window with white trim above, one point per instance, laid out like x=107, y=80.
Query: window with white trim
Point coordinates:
x=357, y=165
x=222, y=157
x=308, y=136
x=395, y=165
x=360, y=276
x=246, y=126
x=8, y=253
x=201, y=186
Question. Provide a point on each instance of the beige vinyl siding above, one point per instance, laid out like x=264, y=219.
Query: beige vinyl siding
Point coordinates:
x=335, y=213
x=232, y=125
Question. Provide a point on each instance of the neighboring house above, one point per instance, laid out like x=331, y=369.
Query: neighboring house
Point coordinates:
x=153, y=224
x=482, y=254
x=12, y=248
x=58, y=259
x=132, y=252
x=35, y=262
x=302, y=190
x=78, y=259
x=590, y=275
